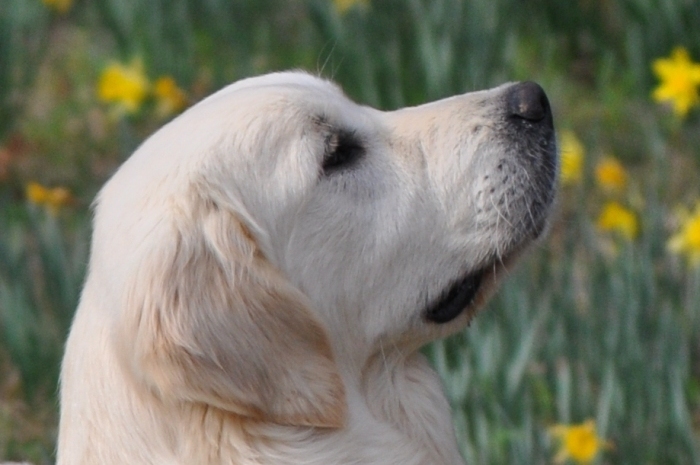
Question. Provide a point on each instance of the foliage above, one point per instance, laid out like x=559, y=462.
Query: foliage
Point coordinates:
x=601, y=321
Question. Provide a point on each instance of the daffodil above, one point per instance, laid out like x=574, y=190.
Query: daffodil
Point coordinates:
x=680, y=78
x=51, y=199
x=124, y=85
x=343, y=6
x=610, y=175
x=686, y=241
x=579, y=443
x=170, y=98
x=61, y=6
x=572, y=155
x=36, y=193
x=616, y=218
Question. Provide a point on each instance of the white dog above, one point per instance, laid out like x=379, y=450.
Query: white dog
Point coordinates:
x=265, y=267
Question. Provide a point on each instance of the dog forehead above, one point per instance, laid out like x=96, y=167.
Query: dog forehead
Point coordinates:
x=275, y=83
x=289, y=78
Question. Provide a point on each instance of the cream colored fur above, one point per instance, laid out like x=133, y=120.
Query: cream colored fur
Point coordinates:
x=243, y=306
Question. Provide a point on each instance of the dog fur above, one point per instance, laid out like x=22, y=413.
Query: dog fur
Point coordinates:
x=261, y=268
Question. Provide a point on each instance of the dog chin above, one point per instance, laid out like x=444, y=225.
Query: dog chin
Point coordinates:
x=466, y=295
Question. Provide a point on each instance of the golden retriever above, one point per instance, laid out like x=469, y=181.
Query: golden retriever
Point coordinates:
x=265, y=267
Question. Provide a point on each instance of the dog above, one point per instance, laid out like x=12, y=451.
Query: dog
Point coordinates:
x=265, y=268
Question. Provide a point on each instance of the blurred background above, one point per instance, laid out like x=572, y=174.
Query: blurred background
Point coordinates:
x=589, y=354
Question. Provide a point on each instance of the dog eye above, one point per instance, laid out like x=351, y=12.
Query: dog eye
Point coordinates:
x=342, y=151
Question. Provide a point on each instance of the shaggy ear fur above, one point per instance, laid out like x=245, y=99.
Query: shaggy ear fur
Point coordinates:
x=210, y=320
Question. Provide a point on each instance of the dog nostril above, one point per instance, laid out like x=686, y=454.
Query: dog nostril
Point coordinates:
x=527, y=100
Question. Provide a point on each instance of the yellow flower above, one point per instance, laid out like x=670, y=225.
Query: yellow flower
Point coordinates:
x=62, y=6
x=611, y=175
x=36, y=193
x=343, y=6
x=578, y=442
x=687, y=239
x=51, y=199
x=124, y=85
x=170, y=98
x=616, y=218
x=680, y=78
x=572, y=154
x=58, y=197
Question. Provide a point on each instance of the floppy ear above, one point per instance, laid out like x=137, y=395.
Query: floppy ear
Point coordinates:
x=210, y=320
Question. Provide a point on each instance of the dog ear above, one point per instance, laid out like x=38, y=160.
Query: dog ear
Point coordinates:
x=210, y=320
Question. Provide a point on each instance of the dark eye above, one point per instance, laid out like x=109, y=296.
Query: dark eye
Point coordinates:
x=343, y=150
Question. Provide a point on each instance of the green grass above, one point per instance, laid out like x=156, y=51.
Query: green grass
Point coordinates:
x=588, y=326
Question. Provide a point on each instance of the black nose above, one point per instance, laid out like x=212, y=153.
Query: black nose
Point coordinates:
x=528, y=101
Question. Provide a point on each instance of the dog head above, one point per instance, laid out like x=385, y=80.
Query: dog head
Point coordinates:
x=277, y=235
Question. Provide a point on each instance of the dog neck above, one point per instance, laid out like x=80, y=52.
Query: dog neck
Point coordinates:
x=398, y=415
